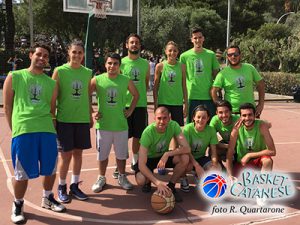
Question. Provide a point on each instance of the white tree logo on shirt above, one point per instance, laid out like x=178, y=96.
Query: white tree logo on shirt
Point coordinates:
x=112, y=94
x=135, y=74
x=35, y=91
x=160, y=146
x=198, y=66
x=171, y=75
x=249, y=143
x=240, y=82
x=196, y=146
x=77, y=86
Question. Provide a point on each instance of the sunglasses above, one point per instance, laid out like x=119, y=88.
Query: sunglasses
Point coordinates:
x=235, y=54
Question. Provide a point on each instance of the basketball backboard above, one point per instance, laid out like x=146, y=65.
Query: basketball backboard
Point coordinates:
x=119, y=7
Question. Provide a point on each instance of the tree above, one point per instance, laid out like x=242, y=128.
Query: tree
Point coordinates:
x=10, y=27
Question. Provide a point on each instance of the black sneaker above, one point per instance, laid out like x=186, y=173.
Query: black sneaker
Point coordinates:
x=177, y=196
x=77, y=193
x=17, y=215
x=146, y=188
x=63, y=196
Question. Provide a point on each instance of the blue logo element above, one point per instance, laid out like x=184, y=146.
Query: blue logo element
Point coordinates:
x=214, y=186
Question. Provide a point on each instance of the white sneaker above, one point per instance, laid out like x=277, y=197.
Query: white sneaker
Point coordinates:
x=184, y=184
x=17, y=214
x=52, y=204
x=100, y=183
x=124, y=182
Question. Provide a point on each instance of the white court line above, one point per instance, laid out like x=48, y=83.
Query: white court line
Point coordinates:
x=287, y=143
x=88, y=219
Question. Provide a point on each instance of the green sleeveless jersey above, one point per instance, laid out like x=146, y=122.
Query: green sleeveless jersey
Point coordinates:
x=199, y=68
x=238, y=84
x=199, y=140
x=249, y=140
x=32, y=103
x=136, y=70
x=223, y=130
x=158, y=143
x=111, y=96
x=73, y=101
x=170, y=86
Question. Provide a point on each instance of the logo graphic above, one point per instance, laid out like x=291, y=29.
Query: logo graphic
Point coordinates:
x=160, y=146
x=171, y=75
x=249, y=143
x=135, y=73
x=198, y=65
x=214, y=186
x=240, y=82
x=112, y=94
x=35, y=91
x=77, y=86
x=196, y=146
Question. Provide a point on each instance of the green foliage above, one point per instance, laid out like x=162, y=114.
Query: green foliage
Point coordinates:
x=280, y=83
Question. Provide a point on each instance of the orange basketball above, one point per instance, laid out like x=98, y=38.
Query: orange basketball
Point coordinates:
x=161, y=203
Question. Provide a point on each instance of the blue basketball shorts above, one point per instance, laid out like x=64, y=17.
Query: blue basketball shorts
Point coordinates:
x=34, y=154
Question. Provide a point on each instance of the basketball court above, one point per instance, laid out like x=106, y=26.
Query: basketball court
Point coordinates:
x=116, y=206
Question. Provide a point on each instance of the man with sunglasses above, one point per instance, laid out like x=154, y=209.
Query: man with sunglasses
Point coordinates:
x=237, y=80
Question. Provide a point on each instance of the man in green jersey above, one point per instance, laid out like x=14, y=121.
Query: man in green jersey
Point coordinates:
x=223, y=123
x=27, y=96
x=201, y=69
x=111, y=126
x=237, y=80
x=138, y=70
x=252, y=142
x=154, y=153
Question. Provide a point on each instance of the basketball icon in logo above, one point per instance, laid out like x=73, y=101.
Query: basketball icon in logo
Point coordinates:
x=214, y=186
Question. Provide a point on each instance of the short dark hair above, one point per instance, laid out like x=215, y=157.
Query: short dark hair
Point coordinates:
x=134, y=35
x=40, y=44
x=224, y=103
x=247, y=106
x=113, y=55
x=76, y=42
x=200, y=108
x=234, y=46
x=196, y=29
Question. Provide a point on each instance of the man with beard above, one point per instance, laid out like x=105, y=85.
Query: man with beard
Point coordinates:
x=137, y=69
x=237, y=81
x=252, y=142
x=27, y=96
x=201, y=68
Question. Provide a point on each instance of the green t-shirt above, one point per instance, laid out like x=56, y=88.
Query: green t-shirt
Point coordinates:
x=249, y=140
x=170, y=86
x=111, y=96
x=136, y=70
x=199, y=141
x=238, y=84
x=73, y=101
x=199, y=68
x=158, y=143
x=32, y=103
x=223, y=130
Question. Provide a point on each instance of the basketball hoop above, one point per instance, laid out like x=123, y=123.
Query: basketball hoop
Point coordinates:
x=101, y=7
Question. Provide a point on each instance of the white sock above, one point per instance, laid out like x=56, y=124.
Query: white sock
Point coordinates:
x=134, y=158
x=46, y=193
x=18, y=201
x=61, y=181
x=74, y=179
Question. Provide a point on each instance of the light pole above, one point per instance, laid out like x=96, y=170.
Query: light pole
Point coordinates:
x=286, y=14
x=138, y=31
x=228, y=26
x=30, y=22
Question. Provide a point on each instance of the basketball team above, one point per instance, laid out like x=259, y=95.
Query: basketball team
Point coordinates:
x=48, y=116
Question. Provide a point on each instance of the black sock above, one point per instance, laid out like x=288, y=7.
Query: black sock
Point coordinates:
x=171, y=186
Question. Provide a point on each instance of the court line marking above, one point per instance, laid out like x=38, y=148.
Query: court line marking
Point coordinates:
x=88, y=219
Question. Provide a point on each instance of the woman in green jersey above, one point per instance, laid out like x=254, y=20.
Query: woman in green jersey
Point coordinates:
x=200, y=136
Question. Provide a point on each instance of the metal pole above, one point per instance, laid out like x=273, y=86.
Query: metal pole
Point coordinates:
x=30, y=22
x=288, y=13
x=138, y=18
x=228, y=26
